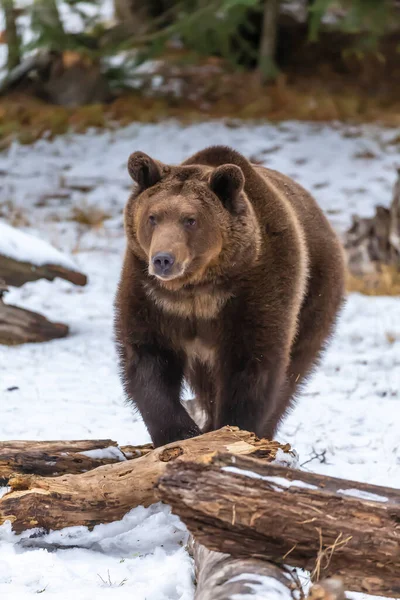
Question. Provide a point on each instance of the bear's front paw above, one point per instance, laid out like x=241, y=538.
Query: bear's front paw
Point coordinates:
x=175, y=434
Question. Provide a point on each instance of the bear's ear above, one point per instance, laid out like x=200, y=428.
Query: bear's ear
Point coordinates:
x=144, y=170
x=227, y=183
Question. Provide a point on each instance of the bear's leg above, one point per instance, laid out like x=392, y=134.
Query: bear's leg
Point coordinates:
x=250, y=396
x=153, y=379
x=316, y=323
x=253, y=369
x=201, y=378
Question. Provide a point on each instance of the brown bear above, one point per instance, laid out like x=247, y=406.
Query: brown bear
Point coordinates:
x=232, y=281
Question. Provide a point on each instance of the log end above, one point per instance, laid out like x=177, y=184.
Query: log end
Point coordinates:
x=17, y=272
x=75, y=277
x=21, y=326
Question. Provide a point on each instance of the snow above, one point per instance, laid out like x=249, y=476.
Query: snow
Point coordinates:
x=349, y=169
x=345, y=424
x=103, y=453
x=16, y=244
x=363, y=495
x=118, y=560
x=280, y=482
x=101, y=11
x=4, y=490
x=287, y=459
x=261, y=587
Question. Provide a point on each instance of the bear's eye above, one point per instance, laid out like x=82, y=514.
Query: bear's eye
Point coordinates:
x=152, y=220
x=190, y=223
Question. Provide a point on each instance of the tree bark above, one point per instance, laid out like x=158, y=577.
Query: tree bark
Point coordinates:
x=20, y=326
x=221, y=577
x=329, y=526
x=16, y=273
x=59, y=457
x=266, y=62
x=373, y=242
x=12, y=36
x=107, y=493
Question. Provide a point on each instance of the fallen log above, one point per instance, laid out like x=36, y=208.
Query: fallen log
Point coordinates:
x=221, y=577
x=107, y=493
x=20, y=326
x=24, y=258
x=59, y=457
x=16, y=273
x=21, y=260
x=329, y=526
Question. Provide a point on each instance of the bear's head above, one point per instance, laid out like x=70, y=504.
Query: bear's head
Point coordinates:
x=189, y=223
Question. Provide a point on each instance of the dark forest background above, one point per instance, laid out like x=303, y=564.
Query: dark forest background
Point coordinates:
x=74, y=63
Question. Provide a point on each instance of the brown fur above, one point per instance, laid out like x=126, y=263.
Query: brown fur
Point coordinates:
x=251, y=299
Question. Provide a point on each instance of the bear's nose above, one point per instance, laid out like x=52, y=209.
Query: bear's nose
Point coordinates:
x=162, y=262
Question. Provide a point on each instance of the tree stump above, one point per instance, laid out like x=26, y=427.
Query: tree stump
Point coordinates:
x=372, y=243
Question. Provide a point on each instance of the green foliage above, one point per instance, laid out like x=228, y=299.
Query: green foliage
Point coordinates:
x=370, y=17
x=46, y=25
x=227, y=28
x=223, y=27
x=49, y=33
x=317, y=11
x=205, y=28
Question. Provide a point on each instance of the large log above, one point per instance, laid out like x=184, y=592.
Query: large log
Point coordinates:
x=107, y=493
x=328, y=526
x=16, y=273
x=59, y=457
x=221, y=577
x=20, y=326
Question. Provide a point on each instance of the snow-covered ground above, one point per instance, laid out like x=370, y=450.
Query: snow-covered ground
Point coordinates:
x=18, y=245
x=347, y=422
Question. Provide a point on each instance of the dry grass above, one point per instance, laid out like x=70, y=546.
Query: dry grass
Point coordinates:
x=13, y=214
x=384, y=283
x=391, y=337
x=204, y=94
x=325, y=554
x=89, y=215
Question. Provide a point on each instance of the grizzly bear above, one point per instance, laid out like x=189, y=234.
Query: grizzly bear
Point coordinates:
x=232, y=281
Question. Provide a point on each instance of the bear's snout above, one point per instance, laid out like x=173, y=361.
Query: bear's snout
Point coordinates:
x=163, y=263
